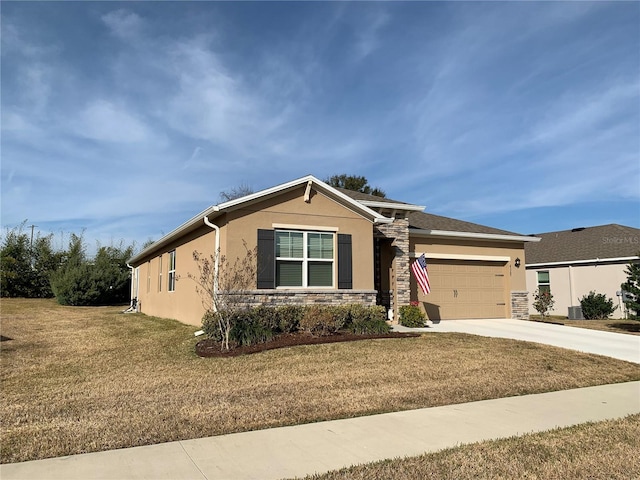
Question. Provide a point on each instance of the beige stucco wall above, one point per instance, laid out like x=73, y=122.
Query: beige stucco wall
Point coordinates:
x=184, y=304
x=515, y=278
x=291, y=210
x=603, y=278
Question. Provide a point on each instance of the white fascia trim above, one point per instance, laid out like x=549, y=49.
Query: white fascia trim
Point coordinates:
x=477, y=236
x=377, y=218
x=581, y=262
x=174, y=233
x=393, y=205
x=310, y=228
x=460, y=256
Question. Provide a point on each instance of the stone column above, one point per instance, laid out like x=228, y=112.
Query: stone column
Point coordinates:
x=520, y=305
x=399, y=232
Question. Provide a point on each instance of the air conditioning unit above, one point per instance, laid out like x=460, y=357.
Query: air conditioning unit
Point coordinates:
x=575, y=313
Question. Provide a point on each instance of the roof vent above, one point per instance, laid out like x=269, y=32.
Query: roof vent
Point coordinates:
x=579, y=229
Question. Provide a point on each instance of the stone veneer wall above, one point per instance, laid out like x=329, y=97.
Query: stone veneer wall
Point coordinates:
x=275, y=297
x=399, y=231
x=520, y=305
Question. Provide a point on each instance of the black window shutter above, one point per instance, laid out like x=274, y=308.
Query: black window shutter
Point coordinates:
x=266, y=263
x=345, y=275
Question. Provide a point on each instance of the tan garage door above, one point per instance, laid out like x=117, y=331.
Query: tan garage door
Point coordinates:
x=465, y=289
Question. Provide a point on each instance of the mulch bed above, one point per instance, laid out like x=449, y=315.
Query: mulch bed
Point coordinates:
x=211, y=348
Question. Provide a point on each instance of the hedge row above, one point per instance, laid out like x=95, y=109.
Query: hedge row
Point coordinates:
x=261, y=324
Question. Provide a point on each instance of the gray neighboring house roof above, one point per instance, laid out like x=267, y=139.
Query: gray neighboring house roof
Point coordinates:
x=419, y=220
x=584, y=244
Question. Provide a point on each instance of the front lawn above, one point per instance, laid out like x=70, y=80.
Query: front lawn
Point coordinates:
x=631, y=327
x=606, y=450
x=77, y=379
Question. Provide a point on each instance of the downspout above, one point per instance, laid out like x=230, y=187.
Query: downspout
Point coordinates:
x=216, y=260
x=132, y=307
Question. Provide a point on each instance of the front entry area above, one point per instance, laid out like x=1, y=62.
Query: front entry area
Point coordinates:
x=463, y=289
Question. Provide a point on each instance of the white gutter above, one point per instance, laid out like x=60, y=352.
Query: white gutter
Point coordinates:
x=477, y=236
x=582, y=262
x=216, y=261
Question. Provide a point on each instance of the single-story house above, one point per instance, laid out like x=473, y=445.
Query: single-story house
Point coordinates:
x=571, y=263
x=320, y=244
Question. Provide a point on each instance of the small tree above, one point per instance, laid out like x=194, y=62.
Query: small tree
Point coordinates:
x=632, y=289
x=596, y=306
x=543, y=302
x=224, y=287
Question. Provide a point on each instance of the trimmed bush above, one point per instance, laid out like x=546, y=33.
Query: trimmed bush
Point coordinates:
x=322, y=320
x=411, y=316
x=596, y=306
x=247, y=330
x=289, y=317
x=368, y=320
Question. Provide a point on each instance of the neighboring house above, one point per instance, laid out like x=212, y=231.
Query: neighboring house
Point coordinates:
x=319, y=244
x=571, y=263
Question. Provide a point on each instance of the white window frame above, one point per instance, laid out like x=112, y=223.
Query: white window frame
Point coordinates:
x=171, y=273
x=546, y=284
x=305, y=260
x=149, y=276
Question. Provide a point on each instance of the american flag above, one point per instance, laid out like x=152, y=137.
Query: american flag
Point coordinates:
x=419, y=268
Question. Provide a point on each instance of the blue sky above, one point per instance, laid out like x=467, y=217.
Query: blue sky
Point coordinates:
x=126, y=119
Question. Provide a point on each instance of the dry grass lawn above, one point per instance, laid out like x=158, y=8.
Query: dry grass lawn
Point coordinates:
x=603, y=450
x=631, y=327
x=79, y=379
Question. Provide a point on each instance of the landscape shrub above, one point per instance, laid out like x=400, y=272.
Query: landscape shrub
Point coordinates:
x=289, y=317
x=411, y=316
x=247, y=329
x=324, y=320
x=596, y=306
x=265, y=316
x=368, y=320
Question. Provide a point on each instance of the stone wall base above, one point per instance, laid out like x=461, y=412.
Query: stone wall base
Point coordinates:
x=520, y=305
x=277, y=297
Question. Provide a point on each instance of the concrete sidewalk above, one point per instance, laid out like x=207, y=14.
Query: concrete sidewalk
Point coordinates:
x=319, y=447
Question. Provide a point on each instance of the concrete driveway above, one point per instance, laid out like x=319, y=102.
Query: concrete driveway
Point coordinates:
x=616, y=345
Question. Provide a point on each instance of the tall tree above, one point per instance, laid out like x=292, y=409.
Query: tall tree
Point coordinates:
x=232, y=193
x=26, y=263
x=354, y=183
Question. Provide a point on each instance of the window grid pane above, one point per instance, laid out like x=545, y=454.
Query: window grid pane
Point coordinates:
x=320, y=274
x=289, y=274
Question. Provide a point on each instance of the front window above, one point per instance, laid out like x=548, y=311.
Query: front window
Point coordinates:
x=304, y=259
x=172, y=271
x=544, y=286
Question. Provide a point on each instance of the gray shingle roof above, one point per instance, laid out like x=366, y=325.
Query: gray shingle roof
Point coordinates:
x=604, y=241
x=429, y=221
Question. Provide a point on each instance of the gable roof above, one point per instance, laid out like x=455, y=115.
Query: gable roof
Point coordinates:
x=585, y=244
x=422, y=223
x=216, y=210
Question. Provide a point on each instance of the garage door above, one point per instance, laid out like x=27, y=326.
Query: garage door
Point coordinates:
x=465, y=289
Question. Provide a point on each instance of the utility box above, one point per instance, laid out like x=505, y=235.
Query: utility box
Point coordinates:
x=575, y=313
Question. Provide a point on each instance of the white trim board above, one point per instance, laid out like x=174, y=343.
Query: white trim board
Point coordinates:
x=460, y=256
